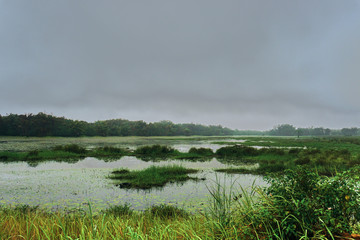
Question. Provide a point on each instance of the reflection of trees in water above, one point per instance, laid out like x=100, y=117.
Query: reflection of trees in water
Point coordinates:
x=35, y=163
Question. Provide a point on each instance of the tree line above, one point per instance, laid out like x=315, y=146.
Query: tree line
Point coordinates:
x=42, y=124
x=290, y=130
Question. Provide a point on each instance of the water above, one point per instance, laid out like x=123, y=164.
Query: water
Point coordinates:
x=62, y=185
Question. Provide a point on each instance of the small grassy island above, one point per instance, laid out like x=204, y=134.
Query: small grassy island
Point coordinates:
x=152, y=177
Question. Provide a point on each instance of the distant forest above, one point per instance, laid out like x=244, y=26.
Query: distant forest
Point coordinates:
x=41, y=125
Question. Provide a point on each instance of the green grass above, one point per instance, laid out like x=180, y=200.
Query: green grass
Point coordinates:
x=327, y=154
x=297, y=205
x=152, y=177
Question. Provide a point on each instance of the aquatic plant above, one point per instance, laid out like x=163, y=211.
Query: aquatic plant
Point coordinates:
x=119, y=210
x=201, y=151
x=152, y=177
x=165, y=211
x=73, y=148
x=237, y=151
x=155, y=151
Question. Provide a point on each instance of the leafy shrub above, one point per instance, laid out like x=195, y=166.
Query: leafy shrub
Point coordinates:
x=302, y=201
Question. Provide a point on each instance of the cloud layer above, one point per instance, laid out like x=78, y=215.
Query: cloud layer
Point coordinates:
x=246, y=64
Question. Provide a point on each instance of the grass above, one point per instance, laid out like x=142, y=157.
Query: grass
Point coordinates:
x=328, y=155
x=158, y=222
x=295, y=206
x=152, y=177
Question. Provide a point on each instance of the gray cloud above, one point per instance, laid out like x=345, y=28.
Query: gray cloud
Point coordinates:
x=243, y=64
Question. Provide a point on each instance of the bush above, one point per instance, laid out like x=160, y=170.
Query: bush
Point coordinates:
x=302, y=201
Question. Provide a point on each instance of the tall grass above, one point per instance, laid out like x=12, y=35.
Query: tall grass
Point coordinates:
x=140, y=225
x=293, y=207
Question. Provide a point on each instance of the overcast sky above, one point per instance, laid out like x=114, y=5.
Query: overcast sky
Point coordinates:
x=245, y=64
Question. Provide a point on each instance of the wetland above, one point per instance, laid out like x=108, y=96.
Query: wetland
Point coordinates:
x=214, y=181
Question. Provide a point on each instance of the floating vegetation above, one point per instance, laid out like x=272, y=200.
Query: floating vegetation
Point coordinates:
x=153, y=176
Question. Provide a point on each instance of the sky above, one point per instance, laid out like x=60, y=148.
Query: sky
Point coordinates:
x=242, y=64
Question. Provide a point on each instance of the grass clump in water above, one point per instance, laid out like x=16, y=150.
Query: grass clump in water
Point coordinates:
x=164, y=211
x=108, y=151
x=201, y=151
x=237, y=151
x=152, y=177
x=119, y=210
x=73, y=148
x=155, y=151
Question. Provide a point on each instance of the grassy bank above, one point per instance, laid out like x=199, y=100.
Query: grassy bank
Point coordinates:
x=152, y=177
x=300, y=204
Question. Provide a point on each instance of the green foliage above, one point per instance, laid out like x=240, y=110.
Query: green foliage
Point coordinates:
x=24, y=208
x=152, y=176
x=221, y=200
x=165, y=211
x=72, y=148
x=110, y=149
x=283, y=130
x=302, y=200
x=155, y=151
x=32, y=155
x=237, y=151
x=270, y=168
x=119, y=210
x=42, y=124
x=201, y=151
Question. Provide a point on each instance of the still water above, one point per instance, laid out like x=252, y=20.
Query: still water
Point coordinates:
x=62, y=185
